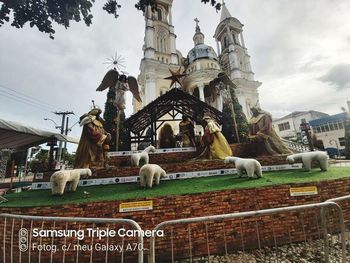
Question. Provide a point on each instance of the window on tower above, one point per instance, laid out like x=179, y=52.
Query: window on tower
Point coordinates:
x=225, y=42
x=159, y=14
x=162, y=40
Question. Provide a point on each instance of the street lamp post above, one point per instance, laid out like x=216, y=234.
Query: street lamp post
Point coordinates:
x=56, y=126
x=49, y=144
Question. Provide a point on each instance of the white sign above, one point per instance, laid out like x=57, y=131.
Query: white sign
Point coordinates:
x=169, y=176
x=166, y=150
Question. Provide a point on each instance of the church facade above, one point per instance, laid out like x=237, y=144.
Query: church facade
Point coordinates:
x=202, y=63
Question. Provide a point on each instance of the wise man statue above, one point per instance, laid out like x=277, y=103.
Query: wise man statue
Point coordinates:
x=93, y=144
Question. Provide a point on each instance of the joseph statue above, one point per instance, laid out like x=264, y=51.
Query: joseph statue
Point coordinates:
x=262, y=133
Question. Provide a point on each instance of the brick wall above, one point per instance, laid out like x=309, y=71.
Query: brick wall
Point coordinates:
x=283, y=228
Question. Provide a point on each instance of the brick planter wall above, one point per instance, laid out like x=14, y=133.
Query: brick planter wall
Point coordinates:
x=290, y=227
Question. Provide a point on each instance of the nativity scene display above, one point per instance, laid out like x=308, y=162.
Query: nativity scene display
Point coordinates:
x=187, y=110
x=174, y=122
x=205, y=101
x=176, y=119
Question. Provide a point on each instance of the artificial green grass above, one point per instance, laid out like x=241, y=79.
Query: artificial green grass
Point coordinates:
x=166, y=188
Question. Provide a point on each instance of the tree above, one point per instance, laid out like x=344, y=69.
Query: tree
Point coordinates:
x=41, y=13
x=68, y=157
x=42, y=156
x=109, y=116
x=229, y=128
x=40, y=162
x=124, y=138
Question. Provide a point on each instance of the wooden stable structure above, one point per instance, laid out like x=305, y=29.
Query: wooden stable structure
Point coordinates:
x=172, y=104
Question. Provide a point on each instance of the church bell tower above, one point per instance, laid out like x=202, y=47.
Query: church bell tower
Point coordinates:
x=234, y=59
x=160, y=52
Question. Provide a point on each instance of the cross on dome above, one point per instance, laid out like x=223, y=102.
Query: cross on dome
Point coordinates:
x=197, y=25
x=196, y=20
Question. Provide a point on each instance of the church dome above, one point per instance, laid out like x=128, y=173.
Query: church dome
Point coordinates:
x=201, y=51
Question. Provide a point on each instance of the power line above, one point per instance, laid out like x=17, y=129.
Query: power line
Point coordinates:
x=27, y=97
x=24, y=101
x=29, y=100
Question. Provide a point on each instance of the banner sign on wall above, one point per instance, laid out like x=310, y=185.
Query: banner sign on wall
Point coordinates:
x=135, y=206
x=302, y=191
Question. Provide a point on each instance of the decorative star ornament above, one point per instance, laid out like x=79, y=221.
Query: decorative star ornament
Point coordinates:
x=175, y=77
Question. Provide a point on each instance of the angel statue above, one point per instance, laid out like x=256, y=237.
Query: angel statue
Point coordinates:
x=121, y=84
x=218, y=84
x=118, y=85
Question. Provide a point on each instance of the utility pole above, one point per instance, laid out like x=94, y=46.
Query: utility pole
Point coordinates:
x=66, y=132
x=63, y=130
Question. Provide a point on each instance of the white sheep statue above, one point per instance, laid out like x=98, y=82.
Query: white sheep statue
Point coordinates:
x=148, y=172
x=307, y=158
x=250, y=166
x=71, y=178
x=137, y=157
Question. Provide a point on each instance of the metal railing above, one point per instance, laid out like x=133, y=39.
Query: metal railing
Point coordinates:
x=13, y=224
x=320, y=206
x=341, y=202
x=296, y=147
x=25, y=238
x=339, y=199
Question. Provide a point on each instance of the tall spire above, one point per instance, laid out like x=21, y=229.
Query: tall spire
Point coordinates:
x=224, y=12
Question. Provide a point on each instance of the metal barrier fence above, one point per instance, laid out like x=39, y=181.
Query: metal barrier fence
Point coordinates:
x=244, y=218
x=317, y=221
x=344, y=203
x=20, y=233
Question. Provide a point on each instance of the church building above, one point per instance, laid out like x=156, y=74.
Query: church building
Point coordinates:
x=202, y=63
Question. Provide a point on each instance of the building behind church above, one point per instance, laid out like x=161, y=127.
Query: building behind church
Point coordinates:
x=288, y=127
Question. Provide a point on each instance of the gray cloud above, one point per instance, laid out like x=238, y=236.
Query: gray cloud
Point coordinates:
x=339, y=76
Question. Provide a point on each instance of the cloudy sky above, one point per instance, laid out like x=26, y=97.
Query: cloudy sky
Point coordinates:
x=300, y=51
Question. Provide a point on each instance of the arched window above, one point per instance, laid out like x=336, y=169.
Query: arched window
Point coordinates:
x=162, y=40
x=159, y=14
x=225, y=42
